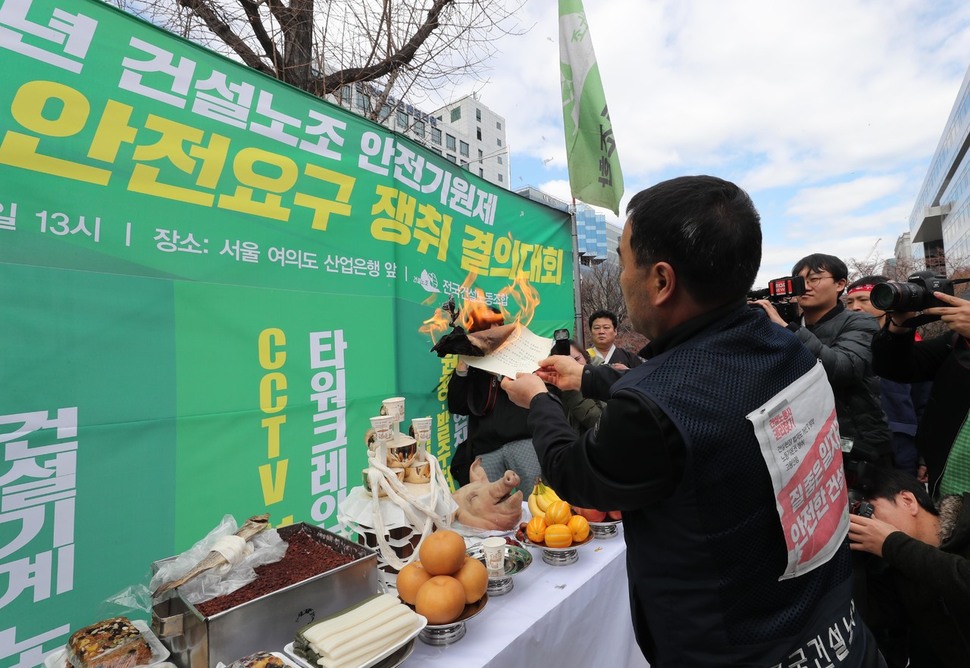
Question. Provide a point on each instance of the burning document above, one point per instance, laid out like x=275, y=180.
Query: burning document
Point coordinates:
x=521, y=352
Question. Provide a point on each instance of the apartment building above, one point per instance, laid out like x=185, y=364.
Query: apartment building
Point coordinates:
x=466, y=132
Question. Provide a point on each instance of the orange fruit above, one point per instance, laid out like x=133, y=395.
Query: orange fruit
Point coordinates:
x=579, y=527
x=558, y=512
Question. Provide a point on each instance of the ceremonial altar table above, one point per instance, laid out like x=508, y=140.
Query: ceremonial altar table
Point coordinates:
x=576, y=616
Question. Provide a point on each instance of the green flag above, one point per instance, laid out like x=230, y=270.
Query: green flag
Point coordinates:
x=594, y=166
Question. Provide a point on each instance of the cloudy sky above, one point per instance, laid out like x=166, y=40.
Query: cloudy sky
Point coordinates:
x=827, y=112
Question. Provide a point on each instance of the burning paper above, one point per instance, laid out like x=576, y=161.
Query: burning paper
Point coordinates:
x=520, y=352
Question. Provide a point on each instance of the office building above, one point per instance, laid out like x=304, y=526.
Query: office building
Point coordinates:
x=466, y=132
x=940, y=222
x=591, y=227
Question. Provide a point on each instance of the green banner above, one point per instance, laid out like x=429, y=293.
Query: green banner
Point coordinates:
x=208, y=283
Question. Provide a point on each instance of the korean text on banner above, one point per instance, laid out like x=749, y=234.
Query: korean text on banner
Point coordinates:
x=799, y=437
x=594, y=165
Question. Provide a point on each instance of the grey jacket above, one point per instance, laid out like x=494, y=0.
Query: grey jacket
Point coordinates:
x=842, y=340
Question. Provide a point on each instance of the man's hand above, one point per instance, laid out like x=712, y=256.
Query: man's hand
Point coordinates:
x=771, y=311
x=956, y=315
x=524, y=388
x=562, y=371
x=868, y=534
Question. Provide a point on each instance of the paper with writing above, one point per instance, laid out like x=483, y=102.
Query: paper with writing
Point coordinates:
x=521, y=352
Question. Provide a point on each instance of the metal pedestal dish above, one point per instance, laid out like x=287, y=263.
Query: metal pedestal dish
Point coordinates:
x=517, y=559
x=445, y=634
x=602, y=530
x=562, y=556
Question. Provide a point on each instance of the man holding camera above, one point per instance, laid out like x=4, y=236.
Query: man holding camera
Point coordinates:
x=928, y=549
x=943, y=435
x=903, y=403
x=841, y=339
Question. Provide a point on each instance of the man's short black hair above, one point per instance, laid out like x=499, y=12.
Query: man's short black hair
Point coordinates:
x=879, y=482
x=706, y=228
x=603, y=313
x=822, y=262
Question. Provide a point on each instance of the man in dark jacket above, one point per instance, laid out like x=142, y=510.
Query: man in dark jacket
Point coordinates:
x=841, y=339
x=928, y=550
x=903, y=403
x=721, y=450
x=946, y=361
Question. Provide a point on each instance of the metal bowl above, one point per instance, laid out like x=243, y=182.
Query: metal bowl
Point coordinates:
x=604, y=530
x=445, y=634
x=517, y=559
x=561, y=556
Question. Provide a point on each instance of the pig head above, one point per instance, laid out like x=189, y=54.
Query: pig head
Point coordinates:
x=489, y=505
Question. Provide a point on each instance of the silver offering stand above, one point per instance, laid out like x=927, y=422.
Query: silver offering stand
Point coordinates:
x=562, y=556
x=445, y=634
x=605, y=530
x=517, y=559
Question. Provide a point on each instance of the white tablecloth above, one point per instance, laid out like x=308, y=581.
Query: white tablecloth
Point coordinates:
x=576, y=616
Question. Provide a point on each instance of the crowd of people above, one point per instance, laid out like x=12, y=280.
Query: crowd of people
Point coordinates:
x=716, y=440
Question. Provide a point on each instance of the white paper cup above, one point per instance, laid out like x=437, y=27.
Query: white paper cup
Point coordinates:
x=494, y=549
x=395, y=408
x=422, y=431
x=383, y=429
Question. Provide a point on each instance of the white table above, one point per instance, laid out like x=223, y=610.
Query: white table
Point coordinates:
x=575, y=616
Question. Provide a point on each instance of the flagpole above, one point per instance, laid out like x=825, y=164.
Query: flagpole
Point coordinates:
x=578, y=328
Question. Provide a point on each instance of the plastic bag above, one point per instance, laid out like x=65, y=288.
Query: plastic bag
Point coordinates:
x=267, y=546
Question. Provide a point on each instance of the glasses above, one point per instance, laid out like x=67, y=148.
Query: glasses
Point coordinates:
x=815, y=280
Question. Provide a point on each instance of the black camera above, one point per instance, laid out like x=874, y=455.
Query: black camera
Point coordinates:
x=561, y=345
x=860, y=507
x=780, y=292
x=916, y=294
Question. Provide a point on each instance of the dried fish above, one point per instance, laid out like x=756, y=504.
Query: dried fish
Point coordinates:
x=215, y=559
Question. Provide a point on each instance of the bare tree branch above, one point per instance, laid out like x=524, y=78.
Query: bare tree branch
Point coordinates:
x=422, y=46
x=221, y=29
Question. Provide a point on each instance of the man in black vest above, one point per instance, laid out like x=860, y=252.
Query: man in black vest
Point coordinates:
x=736, y=549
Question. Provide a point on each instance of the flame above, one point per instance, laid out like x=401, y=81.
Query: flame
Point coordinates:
x=475, y=314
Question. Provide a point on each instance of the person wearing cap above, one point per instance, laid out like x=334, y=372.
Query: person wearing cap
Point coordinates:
x=903, y=403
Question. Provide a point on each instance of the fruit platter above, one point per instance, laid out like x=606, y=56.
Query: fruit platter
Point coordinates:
x=445, y=586
x=554, y=527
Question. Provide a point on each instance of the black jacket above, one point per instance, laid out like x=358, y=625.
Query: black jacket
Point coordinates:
x=842, y=340
x=493, y=420
x=934, y=584
x=946, y=361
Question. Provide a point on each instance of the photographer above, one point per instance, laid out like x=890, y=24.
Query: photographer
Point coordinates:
x=946, y=361
x=903, y=403
x=841, y=339
x=927, y=548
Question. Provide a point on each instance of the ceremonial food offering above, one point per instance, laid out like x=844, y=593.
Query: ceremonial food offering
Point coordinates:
x=112, y=643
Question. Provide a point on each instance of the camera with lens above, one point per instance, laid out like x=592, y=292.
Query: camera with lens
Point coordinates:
x=916, y=294
x=780, y=293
